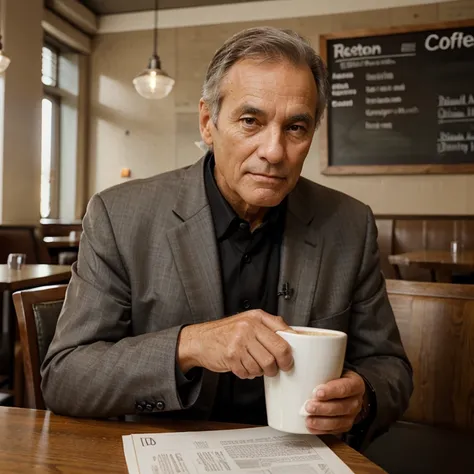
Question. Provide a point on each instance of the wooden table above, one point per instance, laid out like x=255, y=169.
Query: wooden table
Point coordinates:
x=434, y=261
x=41, y=442
x=61, y=242
x=65, y=222
x=32, y=275
x=14, y=280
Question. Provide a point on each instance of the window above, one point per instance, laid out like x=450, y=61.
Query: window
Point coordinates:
x=49, y=67
x=62, y=140
x=50, y=134
x=49, y=128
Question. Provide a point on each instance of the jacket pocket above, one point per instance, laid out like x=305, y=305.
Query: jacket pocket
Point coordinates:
x=339, y=321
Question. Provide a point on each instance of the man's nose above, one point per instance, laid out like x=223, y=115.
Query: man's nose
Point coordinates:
x=272, y=146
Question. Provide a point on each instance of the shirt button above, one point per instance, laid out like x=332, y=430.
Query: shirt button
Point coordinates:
x=247, y=258
x=160, y=405
x=246, y=304
x=243, y=225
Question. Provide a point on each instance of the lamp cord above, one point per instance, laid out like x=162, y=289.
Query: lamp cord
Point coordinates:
x=1, y=24
x=155, y=30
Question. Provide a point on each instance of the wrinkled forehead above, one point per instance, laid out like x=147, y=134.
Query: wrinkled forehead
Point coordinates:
x=270, y=83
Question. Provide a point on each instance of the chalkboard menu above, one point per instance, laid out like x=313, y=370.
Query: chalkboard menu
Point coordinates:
x=401, y=101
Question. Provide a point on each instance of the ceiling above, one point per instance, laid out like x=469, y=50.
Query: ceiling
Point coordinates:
x=107, y=7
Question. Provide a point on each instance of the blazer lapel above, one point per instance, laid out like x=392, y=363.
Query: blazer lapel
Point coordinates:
x=300, y=261
x=194, y=248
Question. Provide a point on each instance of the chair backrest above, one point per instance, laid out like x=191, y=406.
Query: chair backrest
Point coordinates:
x=37, y=313
x=436, y=323
x=22, y=239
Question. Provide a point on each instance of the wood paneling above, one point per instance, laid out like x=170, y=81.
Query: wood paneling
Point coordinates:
x=436, y=323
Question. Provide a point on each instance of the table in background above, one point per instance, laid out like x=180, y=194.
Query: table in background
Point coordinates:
x=41, y=442
x=62, y=245
x=61, y=242
x=29, y=276
x=441, y=261
x=59, y=226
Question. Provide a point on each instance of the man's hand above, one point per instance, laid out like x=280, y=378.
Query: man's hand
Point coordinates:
x=336, y=405
x=245, y=344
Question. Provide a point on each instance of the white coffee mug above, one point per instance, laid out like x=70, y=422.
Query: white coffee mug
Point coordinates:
x=318, y=358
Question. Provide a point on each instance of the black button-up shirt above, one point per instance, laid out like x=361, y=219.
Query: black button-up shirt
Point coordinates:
x=250, y=266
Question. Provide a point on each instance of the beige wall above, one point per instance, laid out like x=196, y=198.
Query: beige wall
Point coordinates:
x=20, y=153
x=153, y=137
x=127, y=130
x=21, y=92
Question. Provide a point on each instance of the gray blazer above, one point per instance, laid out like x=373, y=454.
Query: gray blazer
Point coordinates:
x=148, y=264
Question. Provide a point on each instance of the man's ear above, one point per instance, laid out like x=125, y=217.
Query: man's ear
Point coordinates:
x=205, y=123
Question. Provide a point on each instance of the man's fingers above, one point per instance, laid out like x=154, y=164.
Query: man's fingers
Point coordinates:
x=273, y=343
x=327, y=425
x=327, y=433
x=252, y=366
x=347, y=386
x=337, y=407
x=264, y=358
x=278, y=348
x=239, y=370
x=247, y=345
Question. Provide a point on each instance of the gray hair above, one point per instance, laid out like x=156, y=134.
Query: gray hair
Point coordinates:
x=265, y=43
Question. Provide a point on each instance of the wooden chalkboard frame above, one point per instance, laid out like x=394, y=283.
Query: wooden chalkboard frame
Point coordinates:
x=328, y=169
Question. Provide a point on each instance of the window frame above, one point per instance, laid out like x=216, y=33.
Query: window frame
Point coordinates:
x=53, y=94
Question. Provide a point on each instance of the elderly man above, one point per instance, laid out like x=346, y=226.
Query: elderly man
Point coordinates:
x=183, y=279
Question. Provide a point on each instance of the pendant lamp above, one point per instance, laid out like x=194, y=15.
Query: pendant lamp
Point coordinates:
x=153, y=82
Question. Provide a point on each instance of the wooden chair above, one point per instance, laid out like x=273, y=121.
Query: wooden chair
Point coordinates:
x=436, y=323
x=15, y=239
x=37, y=313
x=22, y=239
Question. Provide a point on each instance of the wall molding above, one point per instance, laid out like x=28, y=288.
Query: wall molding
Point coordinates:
x=76, y=13
x=242, y=12
x=66, y=33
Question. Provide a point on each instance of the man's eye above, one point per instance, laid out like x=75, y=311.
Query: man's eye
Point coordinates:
x=298, y=131
x=297, y=128
x=249, y=121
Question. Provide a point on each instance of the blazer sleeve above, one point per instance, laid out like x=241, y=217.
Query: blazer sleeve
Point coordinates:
x=94, y=366
x=374, y=348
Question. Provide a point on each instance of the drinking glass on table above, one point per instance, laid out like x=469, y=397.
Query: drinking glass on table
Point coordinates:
x=16, y=261
x=456, y=246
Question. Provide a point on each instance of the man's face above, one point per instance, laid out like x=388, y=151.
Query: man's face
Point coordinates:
x=264, y=130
